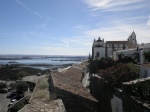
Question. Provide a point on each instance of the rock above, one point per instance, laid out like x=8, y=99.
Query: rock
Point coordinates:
x=42, y=110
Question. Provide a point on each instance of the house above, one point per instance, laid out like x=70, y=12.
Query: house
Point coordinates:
x=101, y=48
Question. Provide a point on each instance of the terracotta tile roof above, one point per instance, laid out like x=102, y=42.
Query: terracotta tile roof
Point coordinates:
x=70, y=81
x=117, y=42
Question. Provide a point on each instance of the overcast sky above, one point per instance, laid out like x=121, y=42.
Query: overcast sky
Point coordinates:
x=68, y=27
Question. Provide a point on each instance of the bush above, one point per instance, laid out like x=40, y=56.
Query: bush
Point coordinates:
x=98, y=64
x=22, y=74
x=11, y=85
x=17, y=107
x=120, y=73
x=21, y=86
x=125, y=59
x=3, y=85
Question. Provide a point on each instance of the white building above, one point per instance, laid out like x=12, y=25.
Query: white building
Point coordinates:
x=128, y=52
x=116, y=104
x=145, y=70
x=101, y=49
x=140, y=49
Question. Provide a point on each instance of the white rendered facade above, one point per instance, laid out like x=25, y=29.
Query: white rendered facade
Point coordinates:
x=141, y=48
x=116, y=104
x=145, y=70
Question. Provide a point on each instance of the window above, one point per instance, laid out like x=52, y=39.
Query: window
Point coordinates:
x=97, y=54
x=118, y=45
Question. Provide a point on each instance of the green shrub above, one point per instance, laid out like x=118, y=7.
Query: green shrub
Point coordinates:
x=98, y=64
x=119, y=73
x=21, y=86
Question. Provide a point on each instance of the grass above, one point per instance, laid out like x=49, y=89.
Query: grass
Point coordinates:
x=43, y=84
x=42, y=92
x=42, y=95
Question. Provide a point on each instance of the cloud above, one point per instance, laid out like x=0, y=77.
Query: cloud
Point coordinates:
x=119, y=25
x=30, y=10
x=148, y=22
x=121, y=32
x=66, y=43
x=114, y=5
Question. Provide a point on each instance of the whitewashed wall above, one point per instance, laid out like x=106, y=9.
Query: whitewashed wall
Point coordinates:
x=101, y=51
x=109, y=51
x=116, y=104
x=144, y=69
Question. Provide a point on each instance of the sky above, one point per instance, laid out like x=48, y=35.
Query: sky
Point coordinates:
x=68, y=27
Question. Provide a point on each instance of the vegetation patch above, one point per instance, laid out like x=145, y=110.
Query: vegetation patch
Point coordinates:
x=42, y=84
x=114, y=72
x=15, y=72
x=120, y=73
x=41, y=92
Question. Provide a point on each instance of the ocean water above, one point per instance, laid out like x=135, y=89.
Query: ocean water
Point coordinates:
x=40, y=61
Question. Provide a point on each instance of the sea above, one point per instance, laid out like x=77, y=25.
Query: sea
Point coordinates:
x=41, y=61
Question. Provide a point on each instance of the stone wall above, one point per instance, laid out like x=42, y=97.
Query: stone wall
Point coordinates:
x=52, y=91
x=105, y=94
x=136, y=95
x=76, y=103
x=102, y=93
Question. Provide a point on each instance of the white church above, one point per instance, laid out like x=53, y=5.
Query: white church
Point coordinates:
x=101, y=48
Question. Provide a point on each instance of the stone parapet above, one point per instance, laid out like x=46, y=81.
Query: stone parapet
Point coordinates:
x=136, y=95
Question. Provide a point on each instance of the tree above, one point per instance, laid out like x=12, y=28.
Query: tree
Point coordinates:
x=3, y=85
x=21, y=86
x=98, y=64
x=22, y=74
x=11, y=85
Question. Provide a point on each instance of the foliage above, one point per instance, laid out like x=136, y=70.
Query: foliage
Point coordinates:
x=21, y=86
x=43, y=85
x=147, y=56
x=3, y=85
x=8, y=73
x=13, y=72
x=22, y=74
x=98, y=64
x=42, y=90
x=119, y=73
x=125, y=59
x=11, y=85
x=17, y=107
